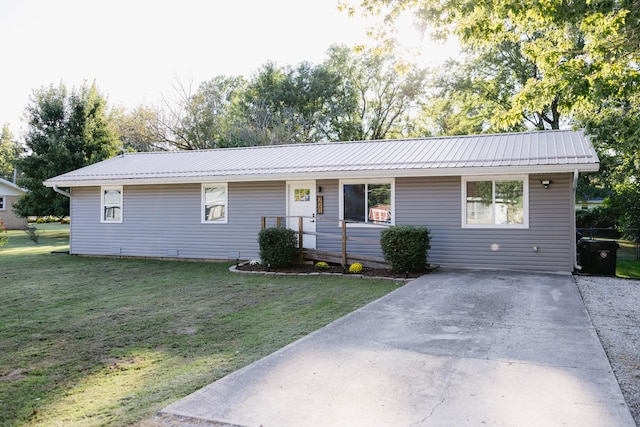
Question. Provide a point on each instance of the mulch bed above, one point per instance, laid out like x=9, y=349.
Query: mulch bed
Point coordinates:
x=335, y=269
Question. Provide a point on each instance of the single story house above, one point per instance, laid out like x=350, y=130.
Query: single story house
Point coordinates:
x=9, y=193
x=490, y=201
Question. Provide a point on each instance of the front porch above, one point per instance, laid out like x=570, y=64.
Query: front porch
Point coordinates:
x=311, y=254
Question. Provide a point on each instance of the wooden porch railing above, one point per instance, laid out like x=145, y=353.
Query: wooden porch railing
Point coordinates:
x=343, y=257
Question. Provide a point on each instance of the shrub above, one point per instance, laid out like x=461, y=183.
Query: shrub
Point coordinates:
x=405, y=247
x=355, y=268
x=599, y=217
x=33, y=234
x=4, y=236
x=278, y=246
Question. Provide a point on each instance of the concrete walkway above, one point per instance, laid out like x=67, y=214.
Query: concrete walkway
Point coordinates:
x=453, y=348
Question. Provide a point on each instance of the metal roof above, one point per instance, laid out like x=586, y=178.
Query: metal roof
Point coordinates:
x=525, y=152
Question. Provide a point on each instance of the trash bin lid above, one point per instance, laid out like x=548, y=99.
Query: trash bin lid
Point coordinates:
x=597, y=245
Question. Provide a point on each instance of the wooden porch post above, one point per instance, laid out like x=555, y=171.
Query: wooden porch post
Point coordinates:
x=344, y=245
x=300, y=241
x=263, y=222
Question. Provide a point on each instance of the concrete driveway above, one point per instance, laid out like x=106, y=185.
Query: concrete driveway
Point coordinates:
x=453, y=348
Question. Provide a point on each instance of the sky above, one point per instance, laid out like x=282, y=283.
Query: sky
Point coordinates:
x=135, y=50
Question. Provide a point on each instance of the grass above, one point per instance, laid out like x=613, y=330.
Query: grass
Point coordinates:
x=626, y=250
x=625, y=264
x=628, y=269
x=101, y=341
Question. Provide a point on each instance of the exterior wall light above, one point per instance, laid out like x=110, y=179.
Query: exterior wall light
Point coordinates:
x=546, y=183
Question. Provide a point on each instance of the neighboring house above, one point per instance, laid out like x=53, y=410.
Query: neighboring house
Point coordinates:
x=9, y=193
x=491, y=201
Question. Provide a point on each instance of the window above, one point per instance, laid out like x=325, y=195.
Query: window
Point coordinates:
x=500, y=202
x=2, y=202
x=368, y=202
x=214, y=203
x=111, y=204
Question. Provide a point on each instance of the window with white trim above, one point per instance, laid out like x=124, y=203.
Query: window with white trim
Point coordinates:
x=111, y=201
x=214, y=203
x=368, y=201
x=495, y=202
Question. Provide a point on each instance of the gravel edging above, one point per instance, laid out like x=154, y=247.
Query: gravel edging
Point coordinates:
x=614, y=307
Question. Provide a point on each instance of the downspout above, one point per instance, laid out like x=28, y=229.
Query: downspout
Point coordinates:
x=59, y=191
x=576, y=266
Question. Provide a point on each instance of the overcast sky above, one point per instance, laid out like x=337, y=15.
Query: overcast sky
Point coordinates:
x=135, y=49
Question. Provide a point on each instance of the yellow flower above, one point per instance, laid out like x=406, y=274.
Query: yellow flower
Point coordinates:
x=322, y=265
x=355, y=268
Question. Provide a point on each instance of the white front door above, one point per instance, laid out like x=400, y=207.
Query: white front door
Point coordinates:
x=301, y=201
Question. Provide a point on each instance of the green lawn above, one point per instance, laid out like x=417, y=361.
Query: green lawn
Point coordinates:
x=99, y=341
x=625, y=264
x=628, y=269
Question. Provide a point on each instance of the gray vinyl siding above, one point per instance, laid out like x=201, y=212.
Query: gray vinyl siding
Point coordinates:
x=164, y=221
x=435, y=202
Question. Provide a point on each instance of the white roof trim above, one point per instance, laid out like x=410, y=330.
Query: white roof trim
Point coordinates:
x=19, y=190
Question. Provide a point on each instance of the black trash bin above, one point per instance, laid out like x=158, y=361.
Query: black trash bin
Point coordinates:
x=598, y=256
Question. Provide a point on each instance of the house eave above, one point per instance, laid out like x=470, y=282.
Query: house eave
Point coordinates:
x=338, y=174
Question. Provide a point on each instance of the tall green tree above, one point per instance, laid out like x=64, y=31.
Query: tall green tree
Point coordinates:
x=566, y=56
x=203, y=118
x=66, y=130
x=476, y=93
x=387, y=89
x=8, y=153
x=304, y=103
x=571, y=62
x=615, y=131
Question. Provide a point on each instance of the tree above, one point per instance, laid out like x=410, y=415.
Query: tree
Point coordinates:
x=571, y=62
x=474, y=94
x=615, y=132
x=140, y=129
x=295, y=104
x=567, y=56
x=66, y=131
x=8, y=154
x=201, y=119
x=388, y=91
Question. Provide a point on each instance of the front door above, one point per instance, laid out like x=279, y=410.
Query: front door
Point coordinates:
x=301, y=201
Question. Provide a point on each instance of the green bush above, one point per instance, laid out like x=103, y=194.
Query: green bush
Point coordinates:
x=278, y=246
x=405, y=247
x=4, y=236
x=33, y=233
x=599, y=217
